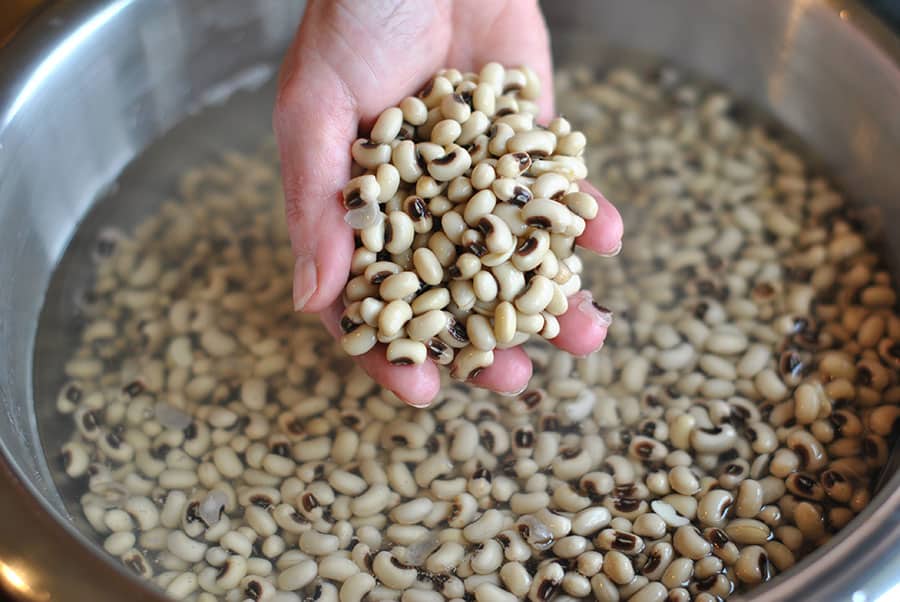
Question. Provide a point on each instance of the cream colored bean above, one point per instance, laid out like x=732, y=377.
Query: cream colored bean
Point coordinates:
x=355, y=588
x=387, y=126
x=428, y=268
x=297, y=576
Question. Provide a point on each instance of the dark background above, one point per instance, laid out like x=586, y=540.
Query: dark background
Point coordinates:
x=889, y=10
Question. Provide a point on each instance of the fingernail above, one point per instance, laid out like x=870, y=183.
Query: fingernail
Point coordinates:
x=614, y=252
x=514, y=393
x=305, y=281
x=597, y=313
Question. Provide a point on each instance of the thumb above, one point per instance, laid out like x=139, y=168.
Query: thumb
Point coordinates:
x=315, y=123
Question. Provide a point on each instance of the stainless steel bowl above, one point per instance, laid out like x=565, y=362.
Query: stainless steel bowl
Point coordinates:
x=87, y=87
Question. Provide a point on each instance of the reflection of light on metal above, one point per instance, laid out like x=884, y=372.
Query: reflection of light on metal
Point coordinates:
x=60, y=53
x=16, y=583
x=845, y=14
x=13, y=579
x=795, y=16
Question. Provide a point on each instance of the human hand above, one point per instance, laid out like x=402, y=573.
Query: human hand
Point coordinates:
x=351, y=60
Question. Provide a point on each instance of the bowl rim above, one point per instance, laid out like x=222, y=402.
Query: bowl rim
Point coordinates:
x=866, y=541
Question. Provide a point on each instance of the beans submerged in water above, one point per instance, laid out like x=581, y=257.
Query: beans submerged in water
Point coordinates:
x=496, y=218
x=734, y=423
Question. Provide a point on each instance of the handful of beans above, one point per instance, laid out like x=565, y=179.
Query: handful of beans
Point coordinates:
x=466, y=213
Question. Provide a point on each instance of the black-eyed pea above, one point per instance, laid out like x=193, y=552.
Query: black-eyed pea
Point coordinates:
x=512, y=165
x=533, y=142
x=370, y=154
x=878, y=296
x=387, y=126
x=510, y=113
x=360, y=191
x=360, y=340
x=476, y=126
x=547, y=215
x=581, y=203
x=414, y=110
x=617, y=566
x=480, y=333
x=571, y=167
x=839, y=517
x=536, y=297
x=427, y=325
x=651, y=592
x=546, y=582
x=405, y=352
x=480, y=205
x=446, y=132
x=604, y=589
x=779, y=555
x=647, y=449
x=749, y=499
x=454, y=334
x=753, y=565
x=748, y=531
x=550, y=186
x=762, y=437
x=571, y=144
x=478, y=148
x=483, y=175
x=430, y=300
x=714, y=440
x=650, y=526
x=446, y=558
x=559, y=303
x=355, y=588
x=439, y=352
x=689, y=542
x=469, y=362
x=417, y=209
x=659, y=556
x=439, y=206
x=678, y=573
x=391, y=572
x=612, y=539
x=550, y=329
x=485, y=286
x=399, y=285
x=860, y=499
x=510, y=281
x=559, y=126
x=486, y=591
x=405, y=158
x=590, y=520
x=872, y=375
x=883, y=420
x=435, y=90
x=497, y=235
x=714, y=507
x=871, y=331
x=463, y=296
x=454, y=162
x=453, y=106
x=562, y=245
x=453, y=226
x=428, y=187
x=810, y=453
x=804, y=486
x=874, y=447
x=511, y=191
x=683, y=481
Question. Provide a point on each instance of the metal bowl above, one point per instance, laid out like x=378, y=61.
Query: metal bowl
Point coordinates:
x=90, y=86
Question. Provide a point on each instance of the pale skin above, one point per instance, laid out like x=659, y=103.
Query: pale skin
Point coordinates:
x=349, y=61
